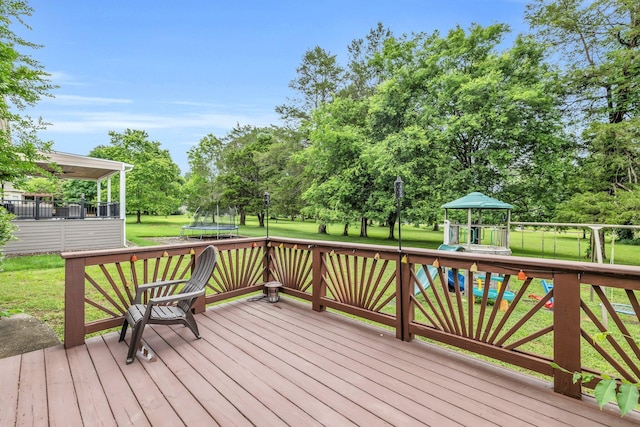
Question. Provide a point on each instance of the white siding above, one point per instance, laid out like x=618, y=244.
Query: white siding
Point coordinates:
x=65, y=235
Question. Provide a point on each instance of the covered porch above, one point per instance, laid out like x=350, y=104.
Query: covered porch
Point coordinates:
x=50, y=225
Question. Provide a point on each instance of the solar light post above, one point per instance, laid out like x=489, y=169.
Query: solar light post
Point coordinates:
x=267, y=199
x=399, y=192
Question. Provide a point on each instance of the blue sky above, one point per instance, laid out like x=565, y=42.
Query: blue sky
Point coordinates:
x=182, y=70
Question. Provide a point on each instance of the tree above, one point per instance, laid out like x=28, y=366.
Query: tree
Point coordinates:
x=282, y=173
x=23, y=82
x=154, y=184
x=201, y=189
x=491, y=116
x=599, y=42
x=364, y=72
x=319, y=77
x=241, y=178
x=75, y=189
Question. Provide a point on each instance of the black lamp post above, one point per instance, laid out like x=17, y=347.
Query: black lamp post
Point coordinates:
x=267, y=199
x=399, y=192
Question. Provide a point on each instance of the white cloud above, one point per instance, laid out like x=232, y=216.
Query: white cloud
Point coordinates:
x=88, y=100
x=65, y=79
x=89, y=122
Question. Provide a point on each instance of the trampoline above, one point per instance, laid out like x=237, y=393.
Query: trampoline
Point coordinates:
x=221, y=225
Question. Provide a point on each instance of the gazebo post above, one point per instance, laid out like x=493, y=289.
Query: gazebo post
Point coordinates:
x=469, y=229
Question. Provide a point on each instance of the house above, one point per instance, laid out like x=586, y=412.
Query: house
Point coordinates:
x=48, y=225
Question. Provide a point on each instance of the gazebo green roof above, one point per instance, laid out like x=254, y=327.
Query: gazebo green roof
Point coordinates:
x=477, y=200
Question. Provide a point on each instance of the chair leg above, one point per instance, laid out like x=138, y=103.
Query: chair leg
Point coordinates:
x=123, y=332
x=190, y=321
x=136, y=335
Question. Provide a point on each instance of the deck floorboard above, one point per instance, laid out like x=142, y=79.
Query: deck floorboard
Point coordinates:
x=276, y=365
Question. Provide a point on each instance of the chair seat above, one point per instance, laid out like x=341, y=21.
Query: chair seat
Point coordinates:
x=158, y=312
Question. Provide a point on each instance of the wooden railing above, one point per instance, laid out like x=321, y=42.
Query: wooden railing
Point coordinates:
x=588, y=322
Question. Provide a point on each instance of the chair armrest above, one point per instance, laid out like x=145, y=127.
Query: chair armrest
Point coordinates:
x=153, y=285
x=176, y=297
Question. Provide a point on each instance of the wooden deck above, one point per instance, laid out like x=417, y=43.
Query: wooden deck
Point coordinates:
x=277, y=364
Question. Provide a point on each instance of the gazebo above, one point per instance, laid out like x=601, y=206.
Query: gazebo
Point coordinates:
x=481, y=237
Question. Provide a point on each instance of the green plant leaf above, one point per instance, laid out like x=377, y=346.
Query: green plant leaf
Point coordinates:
x=627, y=397
x=601, y=336
x=587, y=377
x=605, y=391
x=577, y=376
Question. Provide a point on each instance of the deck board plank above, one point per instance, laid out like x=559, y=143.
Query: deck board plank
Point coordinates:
x=61, y=393
x=177, y=395
x=279, y=364
x=382, y=410
x=32, y=396
x=434, y=383
x=10, y=375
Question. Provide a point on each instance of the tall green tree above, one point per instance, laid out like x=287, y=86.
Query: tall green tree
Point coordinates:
x=490, y=116
x=337, y=181
x=201, y=188
x=154, y=184
x=318, y=78
x=282, y=173
x=364, y=71
x=23, y=82
x=599, y=43
x=241, y=178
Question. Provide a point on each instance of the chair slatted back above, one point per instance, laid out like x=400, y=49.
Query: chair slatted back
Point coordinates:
x=205, y=263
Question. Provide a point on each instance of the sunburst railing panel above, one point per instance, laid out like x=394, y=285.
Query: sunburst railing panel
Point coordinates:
x=354, y=280
x=292, y=266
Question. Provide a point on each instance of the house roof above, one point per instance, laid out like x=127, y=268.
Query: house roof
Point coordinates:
x=74, y=166
x=477, y=200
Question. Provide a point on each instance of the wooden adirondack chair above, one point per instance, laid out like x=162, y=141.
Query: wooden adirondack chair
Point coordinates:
x=169, y=309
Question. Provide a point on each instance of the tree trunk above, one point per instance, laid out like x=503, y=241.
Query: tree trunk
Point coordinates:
x=138, y=217
x=322, y=228
x=261, y=220
x=436, y=226
x=243, y=217
x=345, y=231
x=364, y=224
x=391, y=222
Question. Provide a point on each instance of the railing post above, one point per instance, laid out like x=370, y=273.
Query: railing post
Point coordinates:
x=318, y=287
x=200, y=305
x=404, y=315
x=74, y=302
x=266, y=262
x=36, y=214
x=566, y=333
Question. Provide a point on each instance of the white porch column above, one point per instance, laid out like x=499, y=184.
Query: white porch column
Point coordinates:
x=123, y=206
x=98, y=197
x=109, y=197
